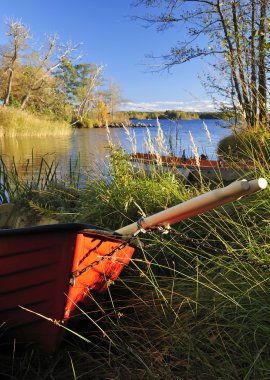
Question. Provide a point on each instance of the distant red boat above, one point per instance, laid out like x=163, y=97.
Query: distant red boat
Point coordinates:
x=209, y=169
x=48, y=270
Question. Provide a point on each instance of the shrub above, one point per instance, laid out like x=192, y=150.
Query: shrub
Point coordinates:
x=247, y=145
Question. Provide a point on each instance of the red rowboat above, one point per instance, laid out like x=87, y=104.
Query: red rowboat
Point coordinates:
x=49, y=269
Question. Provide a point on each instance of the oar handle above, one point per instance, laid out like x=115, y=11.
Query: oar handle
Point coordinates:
x=197, y=205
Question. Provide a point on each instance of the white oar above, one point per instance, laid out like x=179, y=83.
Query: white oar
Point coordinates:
x=195, y=206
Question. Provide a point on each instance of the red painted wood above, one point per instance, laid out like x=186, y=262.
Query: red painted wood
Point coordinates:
x=97, y=278
x=34, y=273
x=35, y=269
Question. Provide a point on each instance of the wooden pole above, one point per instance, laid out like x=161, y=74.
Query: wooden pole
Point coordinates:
x=198, y=205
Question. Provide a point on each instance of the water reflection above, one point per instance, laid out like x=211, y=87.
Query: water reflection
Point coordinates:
x=88, y=147
x=30, y=150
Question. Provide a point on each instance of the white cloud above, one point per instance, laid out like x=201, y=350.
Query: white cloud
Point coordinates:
x=192, y=106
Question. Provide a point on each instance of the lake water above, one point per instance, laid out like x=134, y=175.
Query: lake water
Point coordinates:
x=91, y=145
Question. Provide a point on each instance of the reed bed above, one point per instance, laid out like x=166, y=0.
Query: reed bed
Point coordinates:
x=193, y=303
x=42, y=196
x=14, y=122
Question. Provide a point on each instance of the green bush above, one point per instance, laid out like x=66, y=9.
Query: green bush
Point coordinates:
x=247, y=145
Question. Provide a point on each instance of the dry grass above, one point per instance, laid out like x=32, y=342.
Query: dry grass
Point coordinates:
x=14, y=122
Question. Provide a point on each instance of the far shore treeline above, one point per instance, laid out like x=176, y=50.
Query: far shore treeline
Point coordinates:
x=179, y=115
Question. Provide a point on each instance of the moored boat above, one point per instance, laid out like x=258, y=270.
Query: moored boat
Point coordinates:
x=190, y=167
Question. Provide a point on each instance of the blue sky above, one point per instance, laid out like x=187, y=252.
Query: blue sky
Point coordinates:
x=109, y=37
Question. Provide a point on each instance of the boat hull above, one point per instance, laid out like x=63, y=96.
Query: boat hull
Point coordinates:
x=188, y=168
x=36, y=266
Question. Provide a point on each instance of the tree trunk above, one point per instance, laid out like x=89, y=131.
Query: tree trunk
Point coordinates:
x=254, y=93
x=25, y=100
x=231, y=56
x=241, y=72
x=262, y=66
x=9, y=86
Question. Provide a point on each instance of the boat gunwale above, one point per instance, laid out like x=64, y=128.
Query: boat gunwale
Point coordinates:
x=188, y=163
x=54, y=228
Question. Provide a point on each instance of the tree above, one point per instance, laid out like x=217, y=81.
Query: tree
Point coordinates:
x=26, y=74
x=102, y=112
x=69, y=79
x=80, y=83
x=45, y=64
x=90, y=78
x=113, y=98
x=18, y=35
x=237, y=33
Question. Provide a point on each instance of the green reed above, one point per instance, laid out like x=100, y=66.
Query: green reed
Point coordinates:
x=40, y=189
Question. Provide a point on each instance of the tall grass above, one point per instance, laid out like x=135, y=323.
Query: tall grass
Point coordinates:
x=193, y=304
x=14, y=122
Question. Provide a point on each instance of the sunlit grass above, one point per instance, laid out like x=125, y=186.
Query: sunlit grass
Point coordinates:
x=14, y=122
